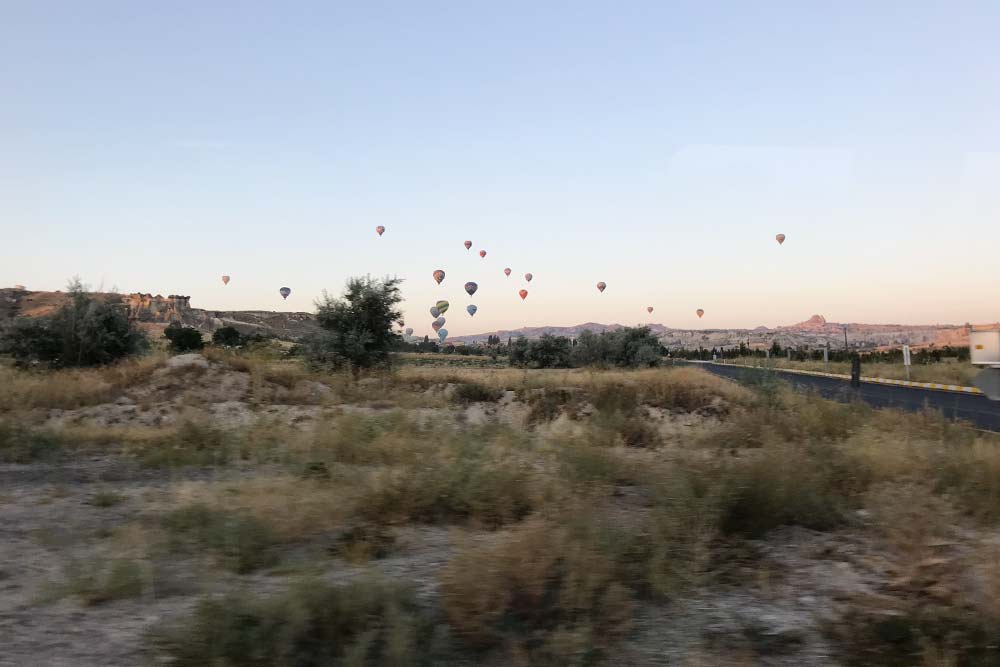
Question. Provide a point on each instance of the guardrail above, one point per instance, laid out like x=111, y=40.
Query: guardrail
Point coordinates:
x=936, y=386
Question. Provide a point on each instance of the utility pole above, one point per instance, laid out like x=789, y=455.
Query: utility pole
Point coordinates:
x=845, y=338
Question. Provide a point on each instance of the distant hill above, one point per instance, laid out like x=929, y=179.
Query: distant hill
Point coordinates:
x=155, y=312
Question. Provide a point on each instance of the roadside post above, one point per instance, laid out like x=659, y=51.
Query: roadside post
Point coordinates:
x=856, y=371
x=826, y=358
x=906, y=360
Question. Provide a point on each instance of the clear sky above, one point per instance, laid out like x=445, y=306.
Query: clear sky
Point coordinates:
x=657, y=146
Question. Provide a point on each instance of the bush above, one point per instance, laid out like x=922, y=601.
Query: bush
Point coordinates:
x=242, y=542
x=97, y=583
x=473, y=392
x=358, y=329
x=227, y=337
x=85, y=332
x=19, y=444
x=183, y=339
x=313, y=624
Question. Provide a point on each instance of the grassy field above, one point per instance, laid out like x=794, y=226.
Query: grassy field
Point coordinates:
x=945, y=372
x=234, y=510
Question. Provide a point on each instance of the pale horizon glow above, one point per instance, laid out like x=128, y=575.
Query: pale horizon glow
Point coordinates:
x=658, y=148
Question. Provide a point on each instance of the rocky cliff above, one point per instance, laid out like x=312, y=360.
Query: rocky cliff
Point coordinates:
x=157, y=311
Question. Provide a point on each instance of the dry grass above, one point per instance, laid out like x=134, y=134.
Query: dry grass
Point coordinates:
x=945, y=372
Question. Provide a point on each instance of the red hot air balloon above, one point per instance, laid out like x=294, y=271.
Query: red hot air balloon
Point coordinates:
x=524, y=294
x=482, y=253
x=468, y=245
x=601, y=286
x=528, y=277
x=380, y=229
x=439, y=276
x=506, y=272
x=780, y=238
x=700, y=312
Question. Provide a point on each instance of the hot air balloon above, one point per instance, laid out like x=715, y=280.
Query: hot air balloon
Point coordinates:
x=409, y=331
x=506, y=272
x=468, y=245
x=700, y=312
x=524, y=294
x=482, y=253
x=528, y=277
x=442, y=306
x=437, y=324
x=649, y=309
x=380, y=229
x=780, y=238
x=285, y=291
x=435, y=311
x=471, y=287
x=601, y=286
x=471, y=310
x=439, y=276
x=442, y=334
x=225, y=280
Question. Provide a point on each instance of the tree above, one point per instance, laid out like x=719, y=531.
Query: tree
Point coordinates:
x=85, y=332
x=182, y=338
x=358, y=328
x=227, y=337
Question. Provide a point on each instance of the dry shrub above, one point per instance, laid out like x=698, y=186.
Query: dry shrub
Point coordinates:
x=538, y=594
x=240, y=541
x=67, y=390
x=313, y=623
x=358, y=439
x=473, y=475
x=689, y=389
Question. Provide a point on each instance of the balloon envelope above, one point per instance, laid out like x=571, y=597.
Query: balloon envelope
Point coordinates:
x=225, y=280
x=482, y=253
x=780, y=238
x=468, y=245
x=506, y=272
x=437, y=324
x=528, y=277
x=649, y=309
x=601, y=286
x=439, y=276
x=284, y=292
x=700, y=312
x=435, y=311
x=471, y=309
x=471, y=287
x=409, y=331
x=380, y=229
x=524, y=294
x=442, y=306
x=442, y=334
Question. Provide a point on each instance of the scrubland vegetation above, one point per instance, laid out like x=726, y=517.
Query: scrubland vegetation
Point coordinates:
x=243, y=506
x=944, y=371
x=277, y=515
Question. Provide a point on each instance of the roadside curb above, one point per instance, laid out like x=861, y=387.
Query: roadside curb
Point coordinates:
x=953, y=388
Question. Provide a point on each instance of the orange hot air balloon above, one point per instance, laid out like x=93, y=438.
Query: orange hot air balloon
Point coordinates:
x=439, y=276
x=700, y=312
x=601, y=286
x=780, y=238
x=506, y=272
x=649, y=309
x=528, y=277
x=482, y=253
x=524, y=294
x=225, y=280
x=468, y=245
x=380, y=229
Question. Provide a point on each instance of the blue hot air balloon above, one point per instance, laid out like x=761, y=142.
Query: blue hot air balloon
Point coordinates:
x=435, y=311
x=442, y=334
x=472, y=309
x=285, y=291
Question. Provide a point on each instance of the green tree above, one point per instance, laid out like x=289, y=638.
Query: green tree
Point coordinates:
x=182, y=338
x=357, y=328
x=227, y=337
x=87, y=331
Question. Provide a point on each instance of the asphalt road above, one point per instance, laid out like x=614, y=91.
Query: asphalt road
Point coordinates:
x=975, y=409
